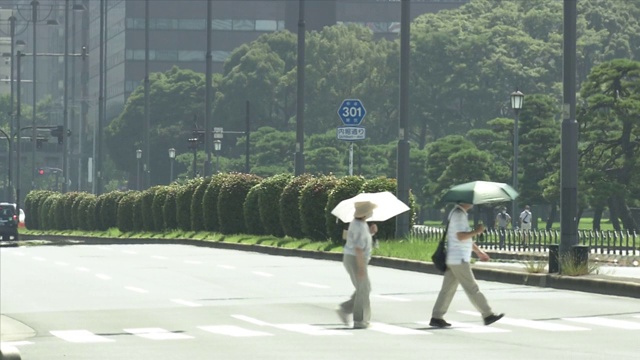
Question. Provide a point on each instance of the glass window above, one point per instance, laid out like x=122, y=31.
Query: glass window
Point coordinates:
x=219, y=55
x=244, y=25
x=190, y=55
x=139, y=54
x=192, y=24
x=280, y=24
x=266, y=25
x=221, y=25
x=164, y=24
x=166, y=55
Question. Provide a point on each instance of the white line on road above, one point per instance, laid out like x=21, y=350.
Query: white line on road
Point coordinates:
x=136, y=289
x=157, y=334
x=394, y=298
x=159, y=257
x=79, y=336
x=195, y=262
x=310, y=329
x=17, y=253
x=619, y=324
x=15, y=343
x=317, y=286
x=82, y=268
x=185, y=302
x=104, y=248
x=232, y=330
x=228, y=267
x=531, y=324
x=130, y=252
x=61, y=263
x=38, y=258
x=472, y=328
x=264, y=274
x=251, y=320
x=396, y=330
x=103, y=276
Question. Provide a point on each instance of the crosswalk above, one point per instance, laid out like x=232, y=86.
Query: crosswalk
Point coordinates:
x=247, y=326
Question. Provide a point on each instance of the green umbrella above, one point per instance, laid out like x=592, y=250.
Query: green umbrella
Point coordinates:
x=480, y=192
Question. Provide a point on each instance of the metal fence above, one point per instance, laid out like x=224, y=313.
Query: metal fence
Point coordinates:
x=625, y=243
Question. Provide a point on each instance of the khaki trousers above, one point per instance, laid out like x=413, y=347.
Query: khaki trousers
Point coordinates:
x=359, y=304
x=460, y=274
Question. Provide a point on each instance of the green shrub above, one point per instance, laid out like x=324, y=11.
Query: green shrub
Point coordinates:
x=313, y=204
x=46, y=221
x=210, y=202
x=126, y=211
x=269, y=203
x=86, y=213
x=387, y=229
x=290, y=206
x=251, y=211
x=69, y=200
x=109, y=209
x=75, y=210
x=231, y=199
x=197, y=217
x=137, y=212
x=183, y=203
x=346, y=187
x=169, y=209
x=157, y=207
x=31, y=207
x=148, y=195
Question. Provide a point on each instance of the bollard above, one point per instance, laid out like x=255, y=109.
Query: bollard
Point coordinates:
x=9, y=353
x=580, y=254
x=554, y=266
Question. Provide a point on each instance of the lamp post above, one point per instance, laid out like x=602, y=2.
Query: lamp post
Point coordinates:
x=172, y=156
x=12, y=21
x=217, y=145
x=18, y=115
x=138, y=156
x=517, y=99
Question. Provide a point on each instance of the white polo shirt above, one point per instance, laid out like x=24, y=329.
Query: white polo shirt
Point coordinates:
x=458, y=251
x=358, y=236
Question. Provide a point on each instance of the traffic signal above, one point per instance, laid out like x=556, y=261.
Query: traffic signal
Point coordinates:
x=41, y=171
x=59, y=133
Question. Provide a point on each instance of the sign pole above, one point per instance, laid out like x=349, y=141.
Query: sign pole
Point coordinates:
x=351, y=159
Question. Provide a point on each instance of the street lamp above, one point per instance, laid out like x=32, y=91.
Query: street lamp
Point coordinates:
x=172, y=156
x=138, y=156
x=517, y=99
x=217, y=145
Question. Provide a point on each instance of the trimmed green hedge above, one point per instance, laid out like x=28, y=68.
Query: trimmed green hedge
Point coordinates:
x=313, y=203
x=290, y=206
x=233, y=192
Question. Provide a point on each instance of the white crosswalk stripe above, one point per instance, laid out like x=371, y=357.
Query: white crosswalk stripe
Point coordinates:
x=471, y=328
x=395, y=330
x=310, y=329
x=79, y=336
x=232, y=330
x=619, y=324
x=157, y=334
x=531, y=324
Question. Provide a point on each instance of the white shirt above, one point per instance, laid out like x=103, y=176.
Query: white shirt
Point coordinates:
x=525, y=216
x=358, y=236
x=458, y=251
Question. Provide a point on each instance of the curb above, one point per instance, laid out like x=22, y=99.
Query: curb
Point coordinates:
x=588, y=283
x=9, y=353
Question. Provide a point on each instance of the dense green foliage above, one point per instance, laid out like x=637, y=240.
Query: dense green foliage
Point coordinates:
x=269, y=203
x=346, y=187
x=233, y=192
x=313, y=203
x=290, y=206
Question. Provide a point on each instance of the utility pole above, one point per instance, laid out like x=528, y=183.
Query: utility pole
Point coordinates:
x=147, y=115
x=299, y=155
x=208, y=90
x=65, y=100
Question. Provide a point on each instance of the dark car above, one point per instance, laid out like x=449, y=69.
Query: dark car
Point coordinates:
x=8, y=221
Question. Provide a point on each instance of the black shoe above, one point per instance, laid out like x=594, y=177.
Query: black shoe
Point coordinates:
x=492, y=318
x=439, y=323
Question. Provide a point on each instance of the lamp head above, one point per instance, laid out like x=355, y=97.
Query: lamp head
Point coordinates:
x=172, y=153
x=517, y=99
x=138, y=154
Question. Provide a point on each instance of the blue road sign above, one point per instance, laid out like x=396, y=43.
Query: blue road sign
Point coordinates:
x=351, y=112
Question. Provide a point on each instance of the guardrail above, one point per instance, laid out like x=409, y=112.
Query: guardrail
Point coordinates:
x=625, y=243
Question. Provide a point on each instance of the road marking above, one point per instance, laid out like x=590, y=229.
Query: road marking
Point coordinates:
x=532, y=324
x=15, y=343
x=619, y=324
x=79, y=336
x=193, y=262
x=185, y=302
x=317, y=286
x=473, y=329
x=251, y=320
x=261, y=273
x=103, y=276
x=135, y=289
x=159, y=257
x=130, y=252
x=17, y=253
x=61, y=263
x=394, y=298
x=82, y=268
x=104, y=248
x=38, y=258
x=157, y=334
x=396, y=330
x=310, y=329
x=228, y=267
x=232, y=330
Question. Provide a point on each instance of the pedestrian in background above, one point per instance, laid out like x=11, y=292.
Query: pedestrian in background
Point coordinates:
x=460, y=244
x=356, y=256
x=502, y=222
x=525, y=224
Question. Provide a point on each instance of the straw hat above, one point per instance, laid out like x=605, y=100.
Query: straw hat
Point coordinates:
x=364, y=209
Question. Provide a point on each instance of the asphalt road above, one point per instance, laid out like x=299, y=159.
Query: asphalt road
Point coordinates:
x=184, y=302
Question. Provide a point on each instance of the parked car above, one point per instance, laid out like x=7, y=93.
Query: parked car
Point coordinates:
x=10, y=221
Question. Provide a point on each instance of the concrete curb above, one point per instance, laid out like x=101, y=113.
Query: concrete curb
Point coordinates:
x=589, y=283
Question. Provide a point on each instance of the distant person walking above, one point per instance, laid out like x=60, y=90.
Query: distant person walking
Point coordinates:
x=502, y=222
x=357, y=253
x=460, y=244
x=525, y=224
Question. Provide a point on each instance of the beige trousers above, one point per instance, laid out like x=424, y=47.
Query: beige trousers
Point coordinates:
x=460, y=274
x=359, y=304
